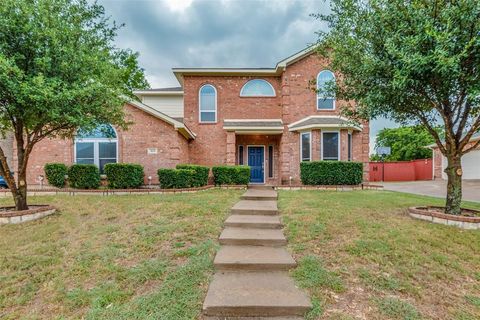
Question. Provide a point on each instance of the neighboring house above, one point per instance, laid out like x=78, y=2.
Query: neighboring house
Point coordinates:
x=470, y=162
x=268, y=118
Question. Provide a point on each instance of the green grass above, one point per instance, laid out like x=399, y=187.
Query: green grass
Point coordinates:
x=116, y=257
x=361, y=255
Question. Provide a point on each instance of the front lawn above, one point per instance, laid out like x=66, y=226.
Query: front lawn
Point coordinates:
x=361, y=256
x=115, y=257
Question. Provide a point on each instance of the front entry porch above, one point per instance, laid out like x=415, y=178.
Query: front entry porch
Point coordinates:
x=249, y=144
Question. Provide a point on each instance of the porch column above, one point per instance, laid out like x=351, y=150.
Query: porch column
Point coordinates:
x=231, y=146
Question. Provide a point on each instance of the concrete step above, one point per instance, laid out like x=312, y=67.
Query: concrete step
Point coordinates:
x=260, y=194
x=252, y=237
x=253, y=258
x=260, y=187
x=253, y=221
x=255, y=207
x=254, y=294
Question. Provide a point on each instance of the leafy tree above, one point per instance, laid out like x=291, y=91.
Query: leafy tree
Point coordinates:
x=406, y=143
x=59, y=71
x=411, y=61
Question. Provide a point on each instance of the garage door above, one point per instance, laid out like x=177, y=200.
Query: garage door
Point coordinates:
x=470, y=165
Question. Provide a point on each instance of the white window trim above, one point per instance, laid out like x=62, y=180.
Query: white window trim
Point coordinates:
x=258, y=95
x=96, y=152
x=339, y=144
x=273, y=161
x=319, y=96
x=200, y=103
x=301, y=145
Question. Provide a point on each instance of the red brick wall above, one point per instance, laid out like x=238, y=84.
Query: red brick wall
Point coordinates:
x=299, y=101
x=146, y=132
x=294, y=100
x=210, y=146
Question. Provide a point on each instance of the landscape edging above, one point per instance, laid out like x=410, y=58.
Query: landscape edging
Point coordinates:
x=472, y=223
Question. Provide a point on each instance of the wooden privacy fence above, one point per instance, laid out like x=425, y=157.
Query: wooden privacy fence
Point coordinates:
x=401, y=170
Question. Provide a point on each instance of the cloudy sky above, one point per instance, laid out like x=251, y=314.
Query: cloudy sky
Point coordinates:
x=215, y=33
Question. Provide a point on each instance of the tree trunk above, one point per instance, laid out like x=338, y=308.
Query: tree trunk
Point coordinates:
x=20, y=197
x=454, y=185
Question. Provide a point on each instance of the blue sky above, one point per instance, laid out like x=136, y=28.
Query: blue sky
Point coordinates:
x=216, y=33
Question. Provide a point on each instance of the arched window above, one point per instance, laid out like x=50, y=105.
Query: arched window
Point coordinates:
x=257, y=88
x=98, y=146
x=325, y=80
x=208, y=103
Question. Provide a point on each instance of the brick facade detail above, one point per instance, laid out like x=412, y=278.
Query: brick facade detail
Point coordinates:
x=213, y=145
x=145, y=132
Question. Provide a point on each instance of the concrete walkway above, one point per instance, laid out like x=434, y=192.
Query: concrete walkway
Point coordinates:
x=434, y=188
x=251, y=279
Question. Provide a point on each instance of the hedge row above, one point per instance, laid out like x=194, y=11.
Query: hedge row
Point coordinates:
x=84, y=176
x=124, y=175
x=236, y=175
x=200, y=178
x=55, y=173
x=331, y=173
x=87, y=176
x=187, y=176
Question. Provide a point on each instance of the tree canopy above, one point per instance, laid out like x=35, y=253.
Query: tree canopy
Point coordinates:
x=414, y=62
x=59, y=70
x=406, y=143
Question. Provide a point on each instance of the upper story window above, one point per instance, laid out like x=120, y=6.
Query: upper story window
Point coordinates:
x=97, y=146
x=257, y=88
x=208, y=104
x=325, y=101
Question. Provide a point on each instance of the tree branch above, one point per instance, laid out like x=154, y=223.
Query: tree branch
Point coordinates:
x=473, y=147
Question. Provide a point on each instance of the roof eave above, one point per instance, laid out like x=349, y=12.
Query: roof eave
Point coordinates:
x=325, y=126
x=158, y=93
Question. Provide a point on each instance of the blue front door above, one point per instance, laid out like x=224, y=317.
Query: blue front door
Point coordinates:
x=255, y=161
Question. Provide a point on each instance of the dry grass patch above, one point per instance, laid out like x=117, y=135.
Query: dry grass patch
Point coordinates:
x=115, y=257
x=375, y=262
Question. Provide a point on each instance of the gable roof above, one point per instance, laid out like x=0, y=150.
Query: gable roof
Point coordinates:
x=276, y=71
x=179, y=126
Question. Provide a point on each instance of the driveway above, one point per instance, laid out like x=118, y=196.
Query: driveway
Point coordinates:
x=434, y=188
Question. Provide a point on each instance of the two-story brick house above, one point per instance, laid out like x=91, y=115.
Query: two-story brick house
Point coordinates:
x=268, y=118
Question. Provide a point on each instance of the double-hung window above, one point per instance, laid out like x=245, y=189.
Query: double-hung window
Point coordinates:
x=98, y=146
x=330, y=145
x=325, y=84
x=305, y=146
x=208, y=104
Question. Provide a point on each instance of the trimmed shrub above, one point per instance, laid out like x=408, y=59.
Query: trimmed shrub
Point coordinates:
x=236, y=175
x=175, y=178
x=200, y=177
x=84, y=176
x=55, y=174
x=331, y=173
x=124, y=175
